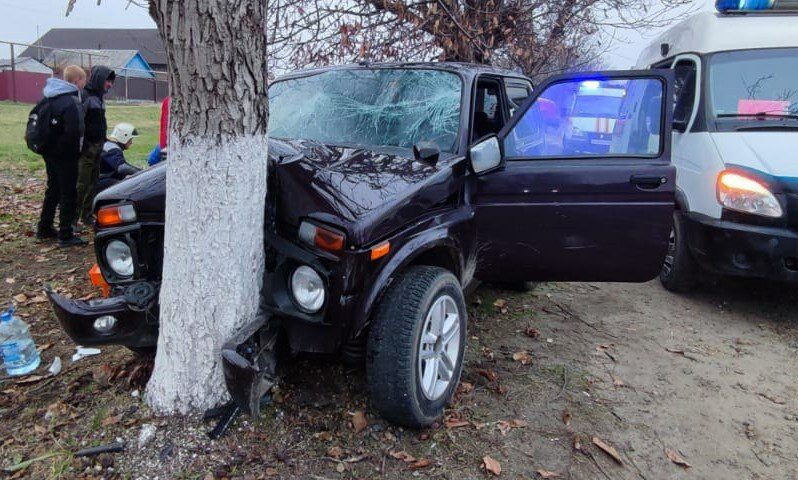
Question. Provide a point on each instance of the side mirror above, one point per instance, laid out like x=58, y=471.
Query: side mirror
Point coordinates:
x=680, y=125
x=426, y=152
x=485, y=155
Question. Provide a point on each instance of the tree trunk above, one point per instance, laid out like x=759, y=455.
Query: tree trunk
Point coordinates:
x=216, y=184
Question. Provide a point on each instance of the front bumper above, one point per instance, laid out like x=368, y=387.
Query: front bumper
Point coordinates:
x=733, y=248
x=136, y=327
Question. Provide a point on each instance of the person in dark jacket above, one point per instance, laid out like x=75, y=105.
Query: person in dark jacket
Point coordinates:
x=113, y=166
x=61, y=156
x=100, y=81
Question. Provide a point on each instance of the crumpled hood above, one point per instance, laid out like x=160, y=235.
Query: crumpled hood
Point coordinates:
x=368, y=193
x=55, y=87
x=770, y=152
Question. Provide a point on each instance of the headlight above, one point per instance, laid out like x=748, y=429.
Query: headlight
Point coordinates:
x=744, y=194
x=119, y=258
x=307, y=288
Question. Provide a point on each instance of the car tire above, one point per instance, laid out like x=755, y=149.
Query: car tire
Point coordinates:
x=679, y=269
x=415, y=346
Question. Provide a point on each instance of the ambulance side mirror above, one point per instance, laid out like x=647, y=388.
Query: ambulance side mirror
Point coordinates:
x=680, y=125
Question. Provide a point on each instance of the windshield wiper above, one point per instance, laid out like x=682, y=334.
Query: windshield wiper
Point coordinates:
x=758, y=115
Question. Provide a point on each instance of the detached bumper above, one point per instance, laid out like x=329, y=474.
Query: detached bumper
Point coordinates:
x=739, y=249
x=134, y=327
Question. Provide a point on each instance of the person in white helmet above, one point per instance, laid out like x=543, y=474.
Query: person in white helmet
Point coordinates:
x=113, y=166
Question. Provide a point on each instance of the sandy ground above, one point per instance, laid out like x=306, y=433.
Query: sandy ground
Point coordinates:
x=550, y=376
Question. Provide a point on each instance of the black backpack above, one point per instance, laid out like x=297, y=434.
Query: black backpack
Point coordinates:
x=41, y=125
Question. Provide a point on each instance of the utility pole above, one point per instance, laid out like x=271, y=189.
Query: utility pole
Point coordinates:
x=13, y=75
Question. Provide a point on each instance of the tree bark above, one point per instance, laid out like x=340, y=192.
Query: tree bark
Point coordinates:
x=216, y=184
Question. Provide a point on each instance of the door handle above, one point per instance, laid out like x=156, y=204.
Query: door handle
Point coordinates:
x=648, y=182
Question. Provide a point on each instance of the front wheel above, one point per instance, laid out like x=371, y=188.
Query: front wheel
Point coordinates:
x=416, y=346
x=679, y=269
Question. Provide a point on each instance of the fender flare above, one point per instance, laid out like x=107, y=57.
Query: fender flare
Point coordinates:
x=411, y=250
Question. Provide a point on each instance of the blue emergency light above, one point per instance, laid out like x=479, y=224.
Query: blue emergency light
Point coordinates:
x=732, y=6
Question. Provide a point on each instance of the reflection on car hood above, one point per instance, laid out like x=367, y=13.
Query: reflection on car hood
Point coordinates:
x=365, y=192
x=770, y=152
x=369, y=193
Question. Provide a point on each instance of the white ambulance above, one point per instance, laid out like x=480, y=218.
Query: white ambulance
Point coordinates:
x=735, y=140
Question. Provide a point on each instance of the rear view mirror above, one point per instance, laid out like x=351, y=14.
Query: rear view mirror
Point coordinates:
x=485, y=155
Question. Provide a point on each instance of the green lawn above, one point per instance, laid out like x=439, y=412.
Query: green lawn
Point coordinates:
x=15, y=156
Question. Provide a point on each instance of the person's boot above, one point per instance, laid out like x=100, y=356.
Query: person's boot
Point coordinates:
x=46, y=233
x=72, y=241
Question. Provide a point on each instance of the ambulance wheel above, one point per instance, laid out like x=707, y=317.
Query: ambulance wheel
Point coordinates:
x=679, y=270
x=416, y=345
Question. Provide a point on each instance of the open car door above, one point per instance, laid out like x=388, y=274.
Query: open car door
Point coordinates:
x=579, y=185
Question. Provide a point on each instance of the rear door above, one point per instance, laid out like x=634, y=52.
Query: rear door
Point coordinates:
x=553, y=211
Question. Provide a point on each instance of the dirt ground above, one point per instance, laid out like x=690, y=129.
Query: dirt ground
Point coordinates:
x=551, y=377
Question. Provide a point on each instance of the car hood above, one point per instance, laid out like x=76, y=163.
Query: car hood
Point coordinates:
x=367, y=193
x=770, y=152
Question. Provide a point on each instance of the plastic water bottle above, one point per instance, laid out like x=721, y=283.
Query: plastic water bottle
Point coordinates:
x=20, y=355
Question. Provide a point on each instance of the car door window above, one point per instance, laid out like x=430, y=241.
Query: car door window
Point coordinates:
x=516, y=94
x=488, y=116
x=613, y=118
x=684, y=86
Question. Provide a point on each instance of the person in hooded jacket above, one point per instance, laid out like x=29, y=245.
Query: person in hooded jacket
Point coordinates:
x=100, y=81
x=61, y=156
x=113, y=166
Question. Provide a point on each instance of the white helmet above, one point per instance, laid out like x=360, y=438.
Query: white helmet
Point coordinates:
x=123, y=133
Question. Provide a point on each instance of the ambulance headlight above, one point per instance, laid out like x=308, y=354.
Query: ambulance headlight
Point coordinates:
x=744, y=194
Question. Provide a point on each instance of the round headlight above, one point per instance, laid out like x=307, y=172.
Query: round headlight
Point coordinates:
x=307, y=288
x=119, y=258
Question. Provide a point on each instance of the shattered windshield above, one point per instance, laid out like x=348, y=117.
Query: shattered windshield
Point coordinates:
x=379, y=107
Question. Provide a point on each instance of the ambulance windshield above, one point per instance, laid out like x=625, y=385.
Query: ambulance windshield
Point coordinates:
x=756, y=84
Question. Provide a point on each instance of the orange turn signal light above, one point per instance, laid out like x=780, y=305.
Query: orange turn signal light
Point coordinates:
x=325, y=239
x=97, y=279
x=380, y=250
x=115, y=215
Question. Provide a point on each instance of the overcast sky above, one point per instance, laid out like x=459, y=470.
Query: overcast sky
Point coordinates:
x=19, y=20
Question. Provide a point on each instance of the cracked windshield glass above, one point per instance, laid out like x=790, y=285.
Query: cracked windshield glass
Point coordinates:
x=368, y=107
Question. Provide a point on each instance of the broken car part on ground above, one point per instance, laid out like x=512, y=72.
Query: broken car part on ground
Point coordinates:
x=390, y=190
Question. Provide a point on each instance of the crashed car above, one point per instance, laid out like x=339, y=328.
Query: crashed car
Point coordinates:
x=391, y=188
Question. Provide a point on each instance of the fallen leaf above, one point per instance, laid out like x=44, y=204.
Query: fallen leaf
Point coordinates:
x=38, y=299
x=487, y=353
x=504, y=427
x=456, y=423
x=608, y=449
x=491, y=465
x=323, y=436
x=517, y=423
x=566, y=417
x=465, y=388
x=617, y=382
x=523, y=357
x=111, y=420
x=359, y=421
x=674, y=457
x=39, y=429
x=547, y=474
x=489, y=375
x=271, y=472
x=30, y=379
x=335, y=452
x=341, y=467
x=44, y=347
x=10, y=280
x=403, y=456
x=532, y=332
x=773, y=398
x=20, y=298
x=500, y=303
x=420, y=463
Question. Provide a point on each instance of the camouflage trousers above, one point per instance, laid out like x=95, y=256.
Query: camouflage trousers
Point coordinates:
x=88, y=174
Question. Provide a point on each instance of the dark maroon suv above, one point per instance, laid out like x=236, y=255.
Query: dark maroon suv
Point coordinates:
x=391, y=188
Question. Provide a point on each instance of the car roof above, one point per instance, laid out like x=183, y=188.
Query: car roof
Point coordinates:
x=709, y=32
x=463, y=68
